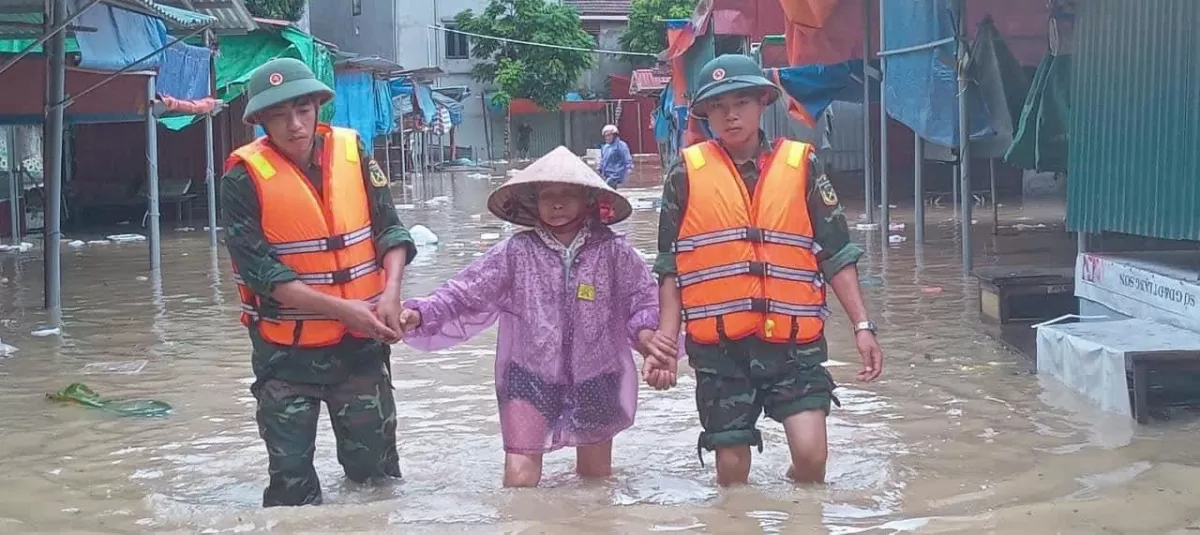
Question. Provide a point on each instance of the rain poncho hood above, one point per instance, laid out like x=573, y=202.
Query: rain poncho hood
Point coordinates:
x=569, y=318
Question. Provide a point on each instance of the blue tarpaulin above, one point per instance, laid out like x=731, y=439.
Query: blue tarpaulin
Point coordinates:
x=354, y=104
x=922, y=86
x=424, y=97
x=385, y=122
x=813, y=88
x=453, y=106
x=185, y=72
x=122, y=37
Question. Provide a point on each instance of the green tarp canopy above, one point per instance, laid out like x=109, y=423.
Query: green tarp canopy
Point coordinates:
x=241, y=54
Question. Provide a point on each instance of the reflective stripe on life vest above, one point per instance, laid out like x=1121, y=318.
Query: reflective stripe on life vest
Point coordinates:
x=747, y=263
x=323, y=234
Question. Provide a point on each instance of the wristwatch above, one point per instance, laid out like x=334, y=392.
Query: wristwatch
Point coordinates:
x=864, y=326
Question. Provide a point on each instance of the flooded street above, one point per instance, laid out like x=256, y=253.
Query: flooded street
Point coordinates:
x=956, y=437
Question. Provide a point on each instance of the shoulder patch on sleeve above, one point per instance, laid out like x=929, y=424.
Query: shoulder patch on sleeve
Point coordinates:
x=379, y=179
x=825, y=188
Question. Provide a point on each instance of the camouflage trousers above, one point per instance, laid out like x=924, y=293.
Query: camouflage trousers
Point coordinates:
x=362, y=412
x=737, y=381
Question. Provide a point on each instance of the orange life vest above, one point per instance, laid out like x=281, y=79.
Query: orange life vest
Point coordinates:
x=326, y=239
x=747, y=262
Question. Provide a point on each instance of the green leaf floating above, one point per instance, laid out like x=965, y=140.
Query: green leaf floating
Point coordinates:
x=81, y=394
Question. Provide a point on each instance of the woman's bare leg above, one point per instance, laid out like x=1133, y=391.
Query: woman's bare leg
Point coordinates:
x=594, y=461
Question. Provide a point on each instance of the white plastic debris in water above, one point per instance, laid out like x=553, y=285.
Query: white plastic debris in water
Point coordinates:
x=405, y=207
x=490, y=236
x=421, y=235
x=126, y=238
x=896, y=227
x=128, y=367
x=142, y=278
x=867, y=226
x=477, y=217
x=439, y=200
x=76, y=243
x=99, y=242
x=186, y=229
x=478, y=176
x=206, y=229
x=6, y=350
x=896, y=238
x=46, y=331
x=23, y=248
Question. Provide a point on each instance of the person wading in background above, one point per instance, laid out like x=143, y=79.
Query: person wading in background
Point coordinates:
x=615, y=160
x=315, y=243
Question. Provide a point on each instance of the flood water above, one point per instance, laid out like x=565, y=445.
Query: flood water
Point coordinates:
x=957, y=436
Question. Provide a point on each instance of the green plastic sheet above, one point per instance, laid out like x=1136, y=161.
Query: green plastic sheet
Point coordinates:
x=241, y=54
x=81, y=394
x=1040, y=142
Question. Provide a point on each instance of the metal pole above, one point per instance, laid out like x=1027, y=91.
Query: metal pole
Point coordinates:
x=15, y=183
x=641, y=134
x=995, y=204
x=210, y=180
x=964, y=138
x=152, y=178
x=53, y=162
x=884, y=209
x=868, y=176
x=387, y=155
x=403, y=163
x=919, y=188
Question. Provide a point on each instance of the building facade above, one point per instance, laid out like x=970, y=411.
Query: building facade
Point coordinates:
x=406, y=32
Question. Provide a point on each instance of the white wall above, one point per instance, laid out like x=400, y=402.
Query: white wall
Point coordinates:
x=417, y=46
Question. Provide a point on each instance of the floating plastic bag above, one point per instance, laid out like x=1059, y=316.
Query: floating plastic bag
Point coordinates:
x=140, y=408
x=421, y=235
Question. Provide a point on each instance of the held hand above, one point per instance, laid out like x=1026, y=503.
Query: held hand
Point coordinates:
x=872, y=356
x=659, y=367
x=360, y=318
x=409, y=319
x=388, y=311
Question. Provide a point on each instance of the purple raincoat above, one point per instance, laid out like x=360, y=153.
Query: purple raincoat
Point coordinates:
x=569, y=317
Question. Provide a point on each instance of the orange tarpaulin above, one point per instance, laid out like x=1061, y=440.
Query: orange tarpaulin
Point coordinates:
x=824, y=32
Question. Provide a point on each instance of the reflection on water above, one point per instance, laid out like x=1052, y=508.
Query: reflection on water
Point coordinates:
x=957, y=437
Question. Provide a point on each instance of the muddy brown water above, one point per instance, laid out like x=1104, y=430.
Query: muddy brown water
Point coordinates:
x=957, y=437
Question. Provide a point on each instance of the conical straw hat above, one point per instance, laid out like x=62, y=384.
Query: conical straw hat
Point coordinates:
x=515, y=200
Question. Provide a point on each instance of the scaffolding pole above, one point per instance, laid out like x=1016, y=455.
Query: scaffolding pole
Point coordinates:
x=964, y=139
x=152, y=178
x=995, y=204
x=868, y=178
x=919, y=188
x=884, y=208
x=15, y=185
x=53, y=161
x=209, y=166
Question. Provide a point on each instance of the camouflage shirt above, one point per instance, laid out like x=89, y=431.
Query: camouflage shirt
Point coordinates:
x=261, y=269
x=830, y=230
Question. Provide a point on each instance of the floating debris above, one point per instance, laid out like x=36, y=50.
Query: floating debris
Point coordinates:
x=7, y=350
x=490, y=236
x=76, y=243
x=23, y=248
x=126, y=238
x=81, y=394
x=896, y=238
x=478, y=176
x=46, y=331
x=895, y=227
x=867, y=226
x=114, y=368
x=99, y=242
x=421, y=235
x=186, y=229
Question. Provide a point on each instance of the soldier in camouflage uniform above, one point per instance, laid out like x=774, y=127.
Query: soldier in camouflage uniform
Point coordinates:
x=351, y=377
x=737, y=380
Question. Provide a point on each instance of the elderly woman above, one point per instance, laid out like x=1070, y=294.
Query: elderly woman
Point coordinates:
x=615, y=160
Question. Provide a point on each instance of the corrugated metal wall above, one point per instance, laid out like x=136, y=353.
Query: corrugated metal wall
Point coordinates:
x=1134, y=163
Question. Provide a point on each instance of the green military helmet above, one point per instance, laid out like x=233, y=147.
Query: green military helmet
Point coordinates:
x=728, y=73
x=278, y=81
